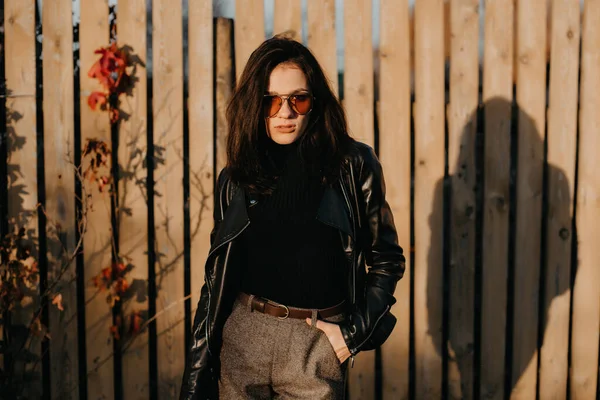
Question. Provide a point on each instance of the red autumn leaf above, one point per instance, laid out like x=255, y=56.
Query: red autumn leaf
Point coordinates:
x=121, y=286
x=97, y=281
x=106, y=273
x=34, y=268
x=114, y=115
x=115, y=331
x=58, y=302
x=119, y=268
x=103, y=181
x=97, y=72
x=97, y=98
x=109, y=68
x=135, y=323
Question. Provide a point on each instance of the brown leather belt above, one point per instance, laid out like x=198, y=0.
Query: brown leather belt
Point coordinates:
x=282, y=312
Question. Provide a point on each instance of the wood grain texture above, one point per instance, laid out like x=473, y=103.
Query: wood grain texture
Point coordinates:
x=429, y=114
x=358, y=104
x=249, y=30
x=322, y=38
x=133, y=205
x=169, y=201
x=201, y=122
x=358, y=70
x=97, y=241
x=586, y=289
x=462, y=124
x=394, y=152
x=531, y=98
x=287, y=19
x=223, y=86
x=22, y=189
x=561, y=147
x=60, y=189
x=497, y=98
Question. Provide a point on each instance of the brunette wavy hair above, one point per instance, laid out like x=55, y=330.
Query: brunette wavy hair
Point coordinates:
x=323, y=143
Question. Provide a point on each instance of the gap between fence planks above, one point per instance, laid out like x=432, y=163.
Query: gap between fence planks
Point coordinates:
x=394, y=152
x=19, y=41
x=561, y=145
x=133, y=224
x=60, y=189
x=97, y=241
x=169, y=202
x=429, y=114
x=586, y=289
x=497, y=97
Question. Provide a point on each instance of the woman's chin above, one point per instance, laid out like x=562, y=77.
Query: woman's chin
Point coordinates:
x=284, y=138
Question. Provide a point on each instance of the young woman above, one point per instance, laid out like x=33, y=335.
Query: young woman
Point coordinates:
x=299, y=212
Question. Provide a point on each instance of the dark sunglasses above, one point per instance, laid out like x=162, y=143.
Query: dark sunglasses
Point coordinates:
x=301, y=103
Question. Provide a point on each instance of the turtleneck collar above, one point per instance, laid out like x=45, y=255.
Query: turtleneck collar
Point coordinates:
x=281, y=153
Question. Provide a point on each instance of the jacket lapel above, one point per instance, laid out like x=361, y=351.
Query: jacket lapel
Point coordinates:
x=235, y=218
x=334, y=211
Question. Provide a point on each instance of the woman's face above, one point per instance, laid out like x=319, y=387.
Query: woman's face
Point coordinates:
x=286, y=125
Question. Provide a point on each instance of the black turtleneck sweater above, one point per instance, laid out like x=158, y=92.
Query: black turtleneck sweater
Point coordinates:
x=290, y=257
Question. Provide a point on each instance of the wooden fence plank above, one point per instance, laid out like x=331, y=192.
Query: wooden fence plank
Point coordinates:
x=169, y=202
x=358, y=72
x=288, y=19
x=322, y=38
x=497, y=97
x=394, y=152
x=428, y=196
x=201, y=139
x=60, y=188
x=358, y=103
x=531, y=98
x=462, y=124
x=586, y=290
x=97, y=241
x=133, y=206
x=223, y=86
x=20, y=74
x=561, y=136
x=249, y=30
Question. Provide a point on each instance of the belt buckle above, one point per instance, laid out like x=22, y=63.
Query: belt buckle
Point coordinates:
x=287, y=311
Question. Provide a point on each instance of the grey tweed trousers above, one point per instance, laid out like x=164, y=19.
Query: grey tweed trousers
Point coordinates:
x=264, y=357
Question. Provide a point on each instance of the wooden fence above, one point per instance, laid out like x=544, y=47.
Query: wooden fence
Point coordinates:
x=491, y=171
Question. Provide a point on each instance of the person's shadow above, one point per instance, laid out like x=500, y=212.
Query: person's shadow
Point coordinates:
x=481, y=262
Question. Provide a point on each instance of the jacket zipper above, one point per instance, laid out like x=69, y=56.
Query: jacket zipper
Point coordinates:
x=228, y=242
x=208, y=283
x=346, y=197
x=374, y=327
x=353, y=243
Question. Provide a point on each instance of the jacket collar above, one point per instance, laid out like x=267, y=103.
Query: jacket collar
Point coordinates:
x=333, y=210
x=235, y=219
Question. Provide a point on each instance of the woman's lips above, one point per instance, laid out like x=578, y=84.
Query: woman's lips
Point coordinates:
x=286, y=128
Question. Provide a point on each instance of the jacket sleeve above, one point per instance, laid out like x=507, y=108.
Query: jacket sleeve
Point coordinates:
x=198, y=378
x=371, y=322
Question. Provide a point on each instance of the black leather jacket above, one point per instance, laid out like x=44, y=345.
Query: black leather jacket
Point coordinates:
x=356, y=206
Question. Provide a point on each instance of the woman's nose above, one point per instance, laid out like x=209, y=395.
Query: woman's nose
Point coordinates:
x=286, y=110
